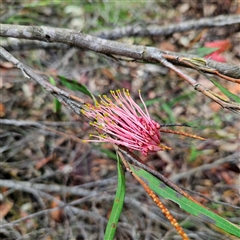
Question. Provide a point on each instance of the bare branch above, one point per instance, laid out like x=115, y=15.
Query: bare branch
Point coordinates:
x=75, y=104
x=53, y=188
x=155, y=30
x=14, y=44
x=81, y=40
x=231, y=158
x=71, y=102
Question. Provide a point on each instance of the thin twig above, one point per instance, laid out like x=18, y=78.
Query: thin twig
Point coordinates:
x=20, y=123
x=70, y=101
x=155, y=30
x=206, y=166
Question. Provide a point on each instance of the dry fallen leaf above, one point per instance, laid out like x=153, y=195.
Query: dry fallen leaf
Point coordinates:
x=5, y=208
x=2, y=110
x=56, y=214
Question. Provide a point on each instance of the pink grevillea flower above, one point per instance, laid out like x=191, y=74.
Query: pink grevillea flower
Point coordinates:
x=123, y=122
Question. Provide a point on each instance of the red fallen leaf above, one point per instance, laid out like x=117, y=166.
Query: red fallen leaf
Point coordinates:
x=216, y=57
x=222, y=45
x=5, y=208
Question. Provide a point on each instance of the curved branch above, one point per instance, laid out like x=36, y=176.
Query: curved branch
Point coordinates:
x=70, y=101
x=108, y=47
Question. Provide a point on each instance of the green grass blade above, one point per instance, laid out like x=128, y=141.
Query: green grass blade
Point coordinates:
x=169, y=111
x=230, y=95
x=109, y=153
x=191, y=207
x=117, y=205
x=74, y=85
x=57, y=104
x=203, y=51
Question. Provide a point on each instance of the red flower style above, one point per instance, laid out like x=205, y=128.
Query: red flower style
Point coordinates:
x=123, y=122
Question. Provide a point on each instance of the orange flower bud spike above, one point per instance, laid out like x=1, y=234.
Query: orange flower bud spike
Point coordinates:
x=164, y=210
x=182, y=133
x=154, y=197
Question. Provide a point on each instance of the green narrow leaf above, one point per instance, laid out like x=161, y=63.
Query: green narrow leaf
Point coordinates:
x=179, y=98
x=194, y=153
x=57, y=104
x=150, y=102
x=109, y=153
x=230, y=95
x=203, y=51
x=117, y=205
x=74, y=85
x=191, y=207
x=169, y=111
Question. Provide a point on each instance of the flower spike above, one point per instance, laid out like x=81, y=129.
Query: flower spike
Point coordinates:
x=124, y=123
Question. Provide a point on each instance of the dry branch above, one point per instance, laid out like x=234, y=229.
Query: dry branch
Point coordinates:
x=233, y=158
x=108, y=47
x=42, y=189
x=75, y=104
x=155, y=30
x=71, y=102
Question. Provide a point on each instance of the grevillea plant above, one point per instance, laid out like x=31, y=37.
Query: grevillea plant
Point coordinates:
x=123, y=122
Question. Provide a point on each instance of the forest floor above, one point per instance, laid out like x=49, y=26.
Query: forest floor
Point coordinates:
x=43, y=163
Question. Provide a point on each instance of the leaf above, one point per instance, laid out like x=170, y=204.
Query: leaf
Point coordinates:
x=109, y=153
x=74, y=85
x=189, y=206
x=230, y=95
x=194, y=153
x=203, y=51
x=221, y=45
x=169, y=111
x=117, y=205
x=150, y=102
x=5, y=208
x=57, y=104
x=216, y=56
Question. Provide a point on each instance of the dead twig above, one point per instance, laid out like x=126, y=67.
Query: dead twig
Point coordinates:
x=107, y=47
x=156, y=30
x=72, y=102
x=206, y=166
